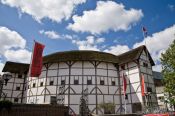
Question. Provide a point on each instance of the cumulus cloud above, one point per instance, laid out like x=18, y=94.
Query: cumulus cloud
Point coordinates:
x=12, y=46
x=118, y=49
x=1, y=67
x=56, y=10
x=158, y=43
x=21, y=55
x=90, y=43
x=50, y=34
x=10, y=39
x=157, y=67
x=108, y=15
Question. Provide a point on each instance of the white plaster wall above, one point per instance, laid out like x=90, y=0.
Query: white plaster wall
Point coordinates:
x=75, y=99
x=88, y=65
x=113, y=73
x=92, y=99
x=102, y=72
x=77, y=64
x=108, y=98
x=136, y=98
x=76, y=72
x=52, y=73
x=53, y=66
x=100, y=99
x=63, y=65
x=135, y=87
x=89, y=71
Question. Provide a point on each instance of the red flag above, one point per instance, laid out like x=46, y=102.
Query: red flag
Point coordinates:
x=145, y=33
x=124, y=84
x=37, y=59
x=142, y=85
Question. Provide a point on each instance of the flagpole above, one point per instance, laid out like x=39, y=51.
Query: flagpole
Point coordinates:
x=125, y=104
x=144, y=37
x=31, y=57
x=124, y=93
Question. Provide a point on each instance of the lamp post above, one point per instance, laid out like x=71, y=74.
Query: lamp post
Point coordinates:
x=5, y=77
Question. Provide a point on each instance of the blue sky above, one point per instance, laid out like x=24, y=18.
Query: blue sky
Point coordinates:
x=61, y=25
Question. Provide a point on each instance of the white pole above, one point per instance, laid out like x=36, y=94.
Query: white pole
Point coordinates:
x=125, y=104
x=124, y=93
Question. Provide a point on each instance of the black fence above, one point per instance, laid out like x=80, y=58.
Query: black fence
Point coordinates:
x=35, y=110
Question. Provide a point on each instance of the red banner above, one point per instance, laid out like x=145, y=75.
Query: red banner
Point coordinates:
x=37, y=59
x=142, y=85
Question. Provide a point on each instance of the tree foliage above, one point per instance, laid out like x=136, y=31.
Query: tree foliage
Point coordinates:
x=109, y=108
x=168, y=71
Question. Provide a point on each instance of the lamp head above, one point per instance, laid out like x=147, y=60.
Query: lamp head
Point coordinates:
x=6, y=76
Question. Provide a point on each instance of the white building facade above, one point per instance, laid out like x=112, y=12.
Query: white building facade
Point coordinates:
x=15, y=89
x=100, y=74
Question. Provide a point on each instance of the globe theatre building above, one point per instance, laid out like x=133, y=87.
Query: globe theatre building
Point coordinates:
x=67, y=76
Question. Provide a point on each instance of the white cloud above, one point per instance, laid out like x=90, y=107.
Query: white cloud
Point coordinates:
x=100, y=40
x=158, y=43
x=21, y=55
x=12, y=46
x=118, y=49
x=108, y=15
x=10, y=39
x=90, y=43
x=50, y=34
x=1, y=67
x=56, y=10
x=157, y=67
x=171, y=7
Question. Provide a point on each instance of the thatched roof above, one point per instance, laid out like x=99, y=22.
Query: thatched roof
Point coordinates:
x=15, y=67
x=81, y=55
x=134, y=54
x=84, y=55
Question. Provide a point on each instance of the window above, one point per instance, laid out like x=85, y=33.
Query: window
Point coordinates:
x=113, y=83
x=145, y=64
x=149, y=89
x=19, y=76
x=41, y=84
x=53, y=100
x=34, y=85
x=89, y=82
x=16, y=99
x=62, y=82
x=123, y=67
x=76, y=82
x=51, y=82
x=126, y=96
x=101, y=82
x=17, y=88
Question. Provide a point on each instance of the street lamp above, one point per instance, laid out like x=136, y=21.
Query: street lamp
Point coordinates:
x=6, y=76
x=147, y=98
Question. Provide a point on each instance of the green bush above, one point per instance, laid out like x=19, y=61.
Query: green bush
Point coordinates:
x=6, y=104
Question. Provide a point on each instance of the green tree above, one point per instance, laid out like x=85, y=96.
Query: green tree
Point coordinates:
x=168, y=71
x=109, y=108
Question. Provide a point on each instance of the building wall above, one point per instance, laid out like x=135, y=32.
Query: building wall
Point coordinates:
x=105, y=84
x=146, y=71
x=81, y=71
x=15, y=88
